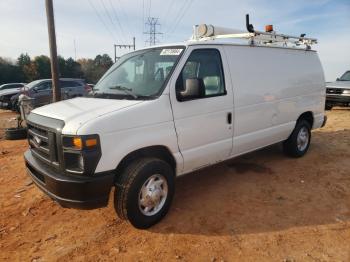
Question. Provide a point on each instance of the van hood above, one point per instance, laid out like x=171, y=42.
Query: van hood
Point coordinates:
x=339, y=84
x=83, y=109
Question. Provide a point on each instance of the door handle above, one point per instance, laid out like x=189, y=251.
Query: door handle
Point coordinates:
x=229, y=118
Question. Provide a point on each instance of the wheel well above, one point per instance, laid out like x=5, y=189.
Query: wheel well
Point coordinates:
x=308, y=116
x=160, y=152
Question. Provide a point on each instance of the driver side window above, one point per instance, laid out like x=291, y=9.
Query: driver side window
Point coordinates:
x=205, y=67
x=44, y=86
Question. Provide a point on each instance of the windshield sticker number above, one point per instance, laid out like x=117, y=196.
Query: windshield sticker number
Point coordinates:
x=170, y=52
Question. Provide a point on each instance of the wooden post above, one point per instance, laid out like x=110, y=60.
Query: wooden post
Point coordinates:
x=53, y=51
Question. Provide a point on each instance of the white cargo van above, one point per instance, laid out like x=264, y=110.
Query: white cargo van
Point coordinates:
x=165, y=111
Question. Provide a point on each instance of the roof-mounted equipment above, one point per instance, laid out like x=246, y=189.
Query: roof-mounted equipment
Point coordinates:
x=269, y=37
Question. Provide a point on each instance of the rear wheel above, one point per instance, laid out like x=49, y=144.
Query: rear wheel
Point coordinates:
x=144, y=192
x=299, y=141
x=328, y=107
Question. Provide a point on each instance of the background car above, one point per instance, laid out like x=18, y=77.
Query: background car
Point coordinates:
x=7, y=91
x=41, y=91
x=91, y=86
x=338, y=92
x=11, y=85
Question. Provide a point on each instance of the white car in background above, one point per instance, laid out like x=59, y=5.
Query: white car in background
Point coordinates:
x=7, y=91
x=338, y=92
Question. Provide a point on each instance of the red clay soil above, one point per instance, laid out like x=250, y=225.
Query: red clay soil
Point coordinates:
x=259, y=207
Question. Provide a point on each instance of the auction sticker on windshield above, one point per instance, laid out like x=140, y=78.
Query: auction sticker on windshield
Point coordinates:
x=171, y=52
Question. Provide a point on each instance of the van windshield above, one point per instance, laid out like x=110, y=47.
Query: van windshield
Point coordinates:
x=138, y=75
x=345, y=76
x=32, y=84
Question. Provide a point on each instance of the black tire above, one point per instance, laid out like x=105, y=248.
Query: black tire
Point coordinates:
x=328, y=107
x=16, y=133
x=15, y=106
x=290, y=146
x=129, y=184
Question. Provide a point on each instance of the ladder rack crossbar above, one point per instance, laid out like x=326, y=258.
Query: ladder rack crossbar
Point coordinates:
x=262, y=36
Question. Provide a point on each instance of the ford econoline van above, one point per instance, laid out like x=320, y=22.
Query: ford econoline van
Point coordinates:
x=164, y=111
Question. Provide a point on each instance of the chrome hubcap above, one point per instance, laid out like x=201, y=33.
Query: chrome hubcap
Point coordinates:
x=153, y=195
x=303, y=139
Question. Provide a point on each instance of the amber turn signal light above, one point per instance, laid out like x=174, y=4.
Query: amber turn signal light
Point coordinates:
x=268, y=28
x=91, y=142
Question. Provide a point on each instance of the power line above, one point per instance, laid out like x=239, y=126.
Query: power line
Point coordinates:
x=117, y=18
x=125, y=14
x=143, y=15
x=153, y=24
x=183, y=11
x=167, y=12
x=110, y=18
x=178, y=14
x=102, y=21
x=149, y=8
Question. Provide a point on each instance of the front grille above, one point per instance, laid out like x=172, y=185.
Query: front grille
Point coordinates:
x=43, y=143
x=334, y=91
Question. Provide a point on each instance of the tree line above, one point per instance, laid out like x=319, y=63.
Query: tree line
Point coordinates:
x=26, y=69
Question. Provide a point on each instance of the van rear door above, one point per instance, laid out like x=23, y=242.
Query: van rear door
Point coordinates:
x=203, y=124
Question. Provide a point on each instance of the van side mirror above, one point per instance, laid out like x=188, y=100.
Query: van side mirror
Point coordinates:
x=193, y=88
x=35, y=89
x=338, y=79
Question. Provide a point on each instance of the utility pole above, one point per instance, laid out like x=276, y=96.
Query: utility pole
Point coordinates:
x=75, y=51
x=133, y=46
x=53, y=51
x=152, y=23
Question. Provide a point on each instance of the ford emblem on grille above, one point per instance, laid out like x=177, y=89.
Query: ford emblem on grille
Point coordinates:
x=37, y=140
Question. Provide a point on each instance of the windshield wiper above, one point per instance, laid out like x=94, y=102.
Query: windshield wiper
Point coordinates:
x=125, y=90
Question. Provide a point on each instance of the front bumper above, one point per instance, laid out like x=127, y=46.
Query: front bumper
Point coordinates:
x=4, y=105
x=84, y=192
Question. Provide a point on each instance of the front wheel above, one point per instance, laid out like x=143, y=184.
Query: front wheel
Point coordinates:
x=299, y=141
x=144, y=192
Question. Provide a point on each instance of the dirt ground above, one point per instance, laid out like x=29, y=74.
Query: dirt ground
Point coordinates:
x=259, y=207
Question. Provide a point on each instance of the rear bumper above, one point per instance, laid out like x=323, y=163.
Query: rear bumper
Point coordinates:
x=70, y=191
x=337, y=99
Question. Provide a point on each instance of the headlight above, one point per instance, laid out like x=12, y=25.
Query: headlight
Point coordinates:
x=346, y=91
x=80, y=142
x=81, y=153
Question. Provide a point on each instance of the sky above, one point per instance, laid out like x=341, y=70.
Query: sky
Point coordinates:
x=85, y=28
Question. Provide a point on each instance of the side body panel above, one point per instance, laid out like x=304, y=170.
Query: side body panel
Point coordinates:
x=272, y=88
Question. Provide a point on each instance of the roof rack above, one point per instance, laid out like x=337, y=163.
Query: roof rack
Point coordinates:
x=205, y=32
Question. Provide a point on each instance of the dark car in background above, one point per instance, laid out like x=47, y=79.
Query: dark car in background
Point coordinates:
x=41, y=91
x=338, y=92
x=7, y=91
